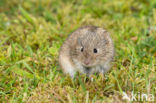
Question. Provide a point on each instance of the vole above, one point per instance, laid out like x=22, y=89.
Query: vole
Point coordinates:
x=87, y=50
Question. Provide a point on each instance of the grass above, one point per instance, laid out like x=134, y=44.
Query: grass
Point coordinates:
x=32, y=31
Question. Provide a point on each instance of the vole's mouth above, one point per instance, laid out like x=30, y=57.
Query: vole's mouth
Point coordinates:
x=88, y=66
x=87, y=70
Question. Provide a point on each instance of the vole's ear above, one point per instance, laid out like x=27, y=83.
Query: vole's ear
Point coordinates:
x=75, y=42
x=79, y=41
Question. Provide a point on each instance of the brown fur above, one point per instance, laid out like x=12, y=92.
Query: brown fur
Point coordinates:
x=88, y=38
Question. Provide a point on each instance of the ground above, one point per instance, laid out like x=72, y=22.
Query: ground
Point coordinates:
x=32, y=31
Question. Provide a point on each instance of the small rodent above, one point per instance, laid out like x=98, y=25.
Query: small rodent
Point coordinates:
x=87, y=50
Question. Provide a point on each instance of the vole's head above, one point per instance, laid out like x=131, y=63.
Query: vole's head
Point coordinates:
x=93, y=47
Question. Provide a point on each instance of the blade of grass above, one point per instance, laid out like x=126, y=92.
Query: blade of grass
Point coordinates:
x=87, y=97
x=118, y=83
x=26, y=15
x=82, y=84
x=28, y=67
x=22, y=73
x=94, y=99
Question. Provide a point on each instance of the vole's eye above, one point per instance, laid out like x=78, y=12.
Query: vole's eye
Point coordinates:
x=81, y=49
x=95, y=50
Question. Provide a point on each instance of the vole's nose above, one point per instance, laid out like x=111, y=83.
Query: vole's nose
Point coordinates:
x=87, y=61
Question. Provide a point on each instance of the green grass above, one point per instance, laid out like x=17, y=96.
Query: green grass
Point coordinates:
x=32, y=31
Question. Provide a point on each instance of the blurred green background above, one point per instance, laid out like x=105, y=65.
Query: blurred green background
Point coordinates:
x=32, y=31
